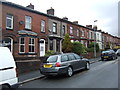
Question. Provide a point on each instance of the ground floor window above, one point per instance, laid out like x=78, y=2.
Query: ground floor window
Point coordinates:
x=8, y=42
x=22, y=45
x=31, y=45
x=51, y=44
x=58, y=45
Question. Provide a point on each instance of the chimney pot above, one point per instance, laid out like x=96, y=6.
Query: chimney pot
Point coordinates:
x=30, y=6
x=50, y=11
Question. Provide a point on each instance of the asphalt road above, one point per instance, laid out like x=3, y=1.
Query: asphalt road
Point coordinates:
x=103, y=74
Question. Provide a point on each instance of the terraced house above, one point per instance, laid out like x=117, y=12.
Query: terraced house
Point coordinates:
x=30, y=33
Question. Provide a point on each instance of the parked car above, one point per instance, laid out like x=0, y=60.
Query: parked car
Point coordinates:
x=66, y=63
x=118, y=52
x=108, y=55
x=8, y=70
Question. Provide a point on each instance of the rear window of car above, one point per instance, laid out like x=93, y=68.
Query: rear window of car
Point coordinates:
x=52, y=59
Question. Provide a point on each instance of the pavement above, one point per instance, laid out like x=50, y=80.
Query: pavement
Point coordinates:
x=34, y=75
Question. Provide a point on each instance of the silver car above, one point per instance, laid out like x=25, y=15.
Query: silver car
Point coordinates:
x=64, y=64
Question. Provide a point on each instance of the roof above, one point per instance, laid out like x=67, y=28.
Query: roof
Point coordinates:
x=38, y=12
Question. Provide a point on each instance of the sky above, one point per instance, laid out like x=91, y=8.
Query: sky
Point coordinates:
x=83, y=11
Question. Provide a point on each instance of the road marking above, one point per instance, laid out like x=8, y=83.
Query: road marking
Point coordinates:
x=103, y=65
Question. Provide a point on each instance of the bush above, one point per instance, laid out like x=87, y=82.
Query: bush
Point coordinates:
x=79, y=48
x=50, y=52
x=91, y=47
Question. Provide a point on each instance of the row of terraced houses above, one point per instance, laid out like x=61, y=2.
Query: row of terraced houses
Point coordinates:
x=30, y=33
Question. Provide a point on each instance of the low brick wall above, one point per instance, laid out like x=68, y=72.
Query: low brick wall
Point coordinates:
x=27, y=65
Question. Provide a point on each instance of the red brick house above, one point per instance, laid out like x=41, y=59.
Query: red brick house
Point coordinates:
x=24, y=30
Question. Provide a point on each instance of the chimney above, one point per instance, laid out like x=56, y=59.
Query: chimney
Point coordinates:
x=95, y=27
x=30, y=6
x=76, y=22
x=50, y=11
x=65, y=18
x=89, y=26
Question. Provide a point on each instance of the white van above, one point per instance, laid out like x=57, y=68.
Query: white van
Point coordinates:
x=8, y=71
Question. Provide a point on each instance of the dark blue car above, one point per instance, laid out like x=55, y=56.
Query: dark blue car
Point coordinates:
x=108, y=55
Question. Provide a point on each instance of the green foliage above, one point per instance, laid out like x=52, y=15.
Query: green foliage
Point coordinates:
x=50, y=52
x=79, y=48
x=67, y=45
x=91, y=47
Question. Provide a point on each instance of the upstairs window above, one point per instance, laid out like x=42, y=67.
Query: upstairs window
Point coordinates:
x=28, y=21
x=55, y=28
x=77, y=32
x=71, y=30
x=21, y=44
x=82, y=32
x=9, y=21
x=31, y=45
x=63, y=30
x=42, y=26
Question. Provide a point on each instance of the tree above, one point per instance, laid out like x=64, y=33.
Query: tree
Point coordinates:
x=67, y=45
x=78, y=48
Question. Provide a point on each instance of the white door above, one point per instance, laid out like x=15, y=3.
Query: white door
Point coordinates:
x=42, y=47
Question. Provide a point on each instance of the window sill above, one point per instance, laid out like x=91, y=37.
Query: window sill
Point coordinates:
x=9, y=28
x=27, y=53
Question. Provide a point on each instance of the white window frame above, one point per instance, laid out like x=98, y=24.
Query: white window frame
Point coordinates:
x=30, y=44
x=63, y=30
x=11, y=21
x=28, y=22
x=54, y=30
x=71, y=30
x=42, y=25
x=83, y=32
x=21, y=44
x=77, y=32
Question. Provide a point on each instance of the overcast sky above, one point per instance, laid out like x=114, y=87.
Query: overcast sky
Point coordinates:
x=83, y=11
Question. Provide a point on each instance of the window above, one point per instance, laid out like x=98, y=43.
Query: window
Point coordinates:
x=42, y=26
x=71, y=57
x=77, y=32
x=77, y=56
x=9, y=21
x=63, y=30
x=71, y=30
x=87, y=34
x=31, y=45
x=28, y=21
x=21, y=44
x=55, y=28
x=64, y=58
x=51, y=44
x=82, y=32
x=52, y=59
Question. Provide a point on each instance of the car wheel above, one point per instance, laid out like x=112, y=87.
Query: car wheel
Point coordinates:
x=69, y=72
x=5, y=87
x=87, y=66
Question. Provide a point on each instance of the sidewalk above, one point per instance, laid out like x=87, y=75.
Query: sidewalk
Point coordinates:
x=26, y=77
x=33, y=75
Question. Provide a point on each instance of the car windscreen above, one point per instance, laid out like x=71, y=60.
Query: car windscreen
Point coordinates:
x=105, y=51
x=52, y=59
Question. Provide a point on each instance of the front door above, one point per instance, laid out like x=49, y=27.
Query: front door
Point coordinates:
x=42, y=47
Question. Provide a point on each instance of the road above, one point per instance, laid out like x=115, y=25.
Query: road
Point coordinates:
x=103, y=74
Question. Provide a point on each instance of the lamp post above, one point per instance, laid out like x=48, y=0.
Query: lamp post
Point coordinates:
x=94, y=39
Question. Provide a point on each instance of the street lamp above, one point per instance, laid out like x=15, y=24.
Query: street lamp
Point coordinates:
x=94, y=39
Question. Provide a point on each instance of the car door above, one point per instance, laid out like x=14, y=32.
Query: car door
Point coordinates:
x=72, y=61
x=80, y=62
